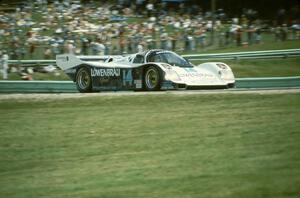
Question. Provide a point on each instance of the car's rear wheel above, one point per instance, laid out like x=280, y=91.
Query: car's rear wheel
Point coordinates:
x=84, y=80
x=152, y=79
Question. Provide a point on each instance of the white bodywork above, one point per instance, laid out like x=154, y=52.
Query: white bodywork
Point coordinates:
x=206, y=74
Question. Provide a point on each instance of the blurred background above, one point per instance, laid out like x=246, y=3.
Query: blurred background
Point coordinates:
x=42, y=29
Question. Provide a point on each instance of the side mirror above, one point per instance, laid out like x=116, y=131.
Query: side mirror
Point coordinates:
x=186, y=59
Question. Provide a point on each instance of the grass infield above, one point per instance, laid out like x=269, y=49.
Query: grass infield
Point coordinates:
x=215, y=145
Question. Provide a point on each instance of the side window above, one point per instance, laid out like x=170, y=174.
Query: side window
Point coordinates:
x=138, y=59
x=154, y=58
x=157, y=58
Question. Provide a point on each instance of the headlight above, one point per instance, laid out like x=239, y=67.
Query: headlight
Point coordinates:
x=172, y=75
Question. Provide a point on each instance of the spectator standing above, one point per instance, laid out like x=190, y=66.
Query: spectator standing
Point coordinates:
x=164, y=40
x=130, y=44
x=277, y=33
x=169, y=43
x=4, y=61
x=221, y=32
x=107, y=47
x=250, y=32
x=84, y=45
x=227, y=35
x=55, y=49
x=153, y=33
x=139, y=6
x=257, y=35
x=295, y=29
x=174, y=39
x=47, y=53
x=149, y=8
x=239, y=33
x=122, y=44
x=31, y=42
x=140, y=47
x=190, y=40
x=98, y=48
x=198, y=33
x=186, y=41
x=284, y=32
x=15, y=48
x=70, y=47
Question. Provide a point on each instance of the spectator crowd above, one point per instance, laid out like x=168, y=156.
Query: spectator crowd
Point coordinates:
x=44, y=29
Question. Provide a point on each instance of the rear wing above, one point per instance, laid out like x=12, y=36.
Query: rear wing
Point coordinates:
x=67, y=61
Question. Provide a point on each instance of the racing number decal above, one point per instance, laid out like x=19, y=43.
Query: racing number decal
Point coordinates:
x=127, y=77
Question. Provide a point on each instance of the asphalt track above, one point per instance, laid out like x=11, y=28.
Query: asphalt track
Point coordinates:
x=58, y=96
x=7, y=86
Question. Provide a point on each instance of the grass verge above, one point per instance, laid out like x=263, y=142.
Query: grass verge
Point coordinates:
x=220, y=145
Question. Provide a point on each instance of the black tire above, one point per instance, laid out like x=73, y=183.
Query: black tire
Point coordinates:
x=152, y=79
x=231, y=85
x=84, y=80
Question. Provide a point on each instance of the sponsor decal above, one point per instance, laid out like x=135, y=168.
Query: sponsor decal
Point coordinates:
x=195, y=75
x=138, y=84
x=105, y=72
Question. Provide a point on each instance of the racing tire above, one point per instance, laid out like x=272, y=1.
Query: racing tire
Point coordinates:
x=84, y=80
x=231, y=85
x=152, y=79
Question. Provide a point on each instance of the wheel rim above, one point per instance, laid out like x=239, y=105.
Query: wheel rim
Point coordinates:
x=83, y=79
x=152, y=78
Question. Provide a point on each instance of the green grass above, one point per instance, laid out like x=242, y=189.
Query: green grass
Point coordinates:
x=241, y=145
x=276, y=67
x=267, y=44
x=39, y=76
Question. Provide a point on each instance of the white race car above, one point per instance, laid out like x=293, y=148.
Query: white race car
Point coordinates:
x=151, y=70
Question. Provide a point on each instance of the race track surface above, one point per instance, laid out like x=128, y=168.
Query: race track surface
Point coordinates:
x=55, y=96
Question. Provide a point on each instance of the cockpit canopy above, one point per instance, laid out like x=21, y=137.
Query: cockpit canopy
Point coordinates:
x=167, y=57
x=160, y=56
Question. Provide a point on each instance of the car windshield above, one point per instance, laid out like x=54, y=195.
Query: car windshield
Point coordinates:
x=170, y=58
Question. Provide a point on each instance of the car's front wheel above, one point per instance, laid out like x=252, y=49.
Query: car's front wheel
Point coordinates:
x=231, y=85
x=84, y=80
x=152, y=79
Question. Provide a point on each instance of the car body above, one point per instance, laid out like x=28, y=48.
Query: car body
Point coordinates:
x=150, y=70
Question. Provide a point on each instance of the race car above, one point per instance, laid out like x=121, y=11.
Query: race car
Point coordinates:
x=151, y=70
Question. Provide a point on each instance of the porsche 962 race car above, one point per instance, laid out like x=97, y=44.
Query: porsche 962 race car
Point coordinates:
x=151, y=70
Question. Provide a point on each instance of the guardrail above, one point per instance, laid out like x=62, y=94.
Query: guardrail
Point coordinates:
x=193, y=57
x=70, y=87
x=271, y=82
x=36, y=62
x=7, y=86
x=245, y=55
